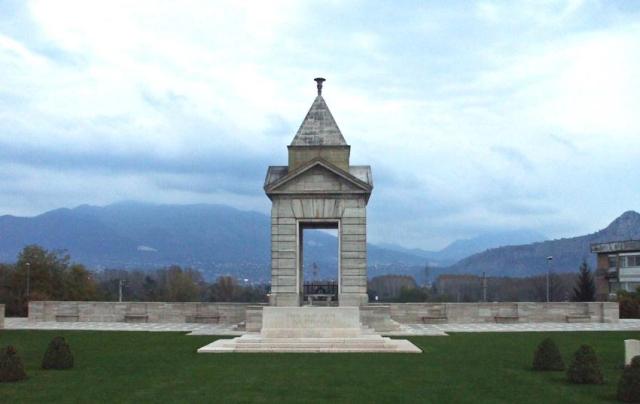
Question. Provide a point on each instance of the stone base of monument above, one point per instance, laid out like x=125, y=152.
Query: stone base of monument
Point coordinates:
x=311, y=329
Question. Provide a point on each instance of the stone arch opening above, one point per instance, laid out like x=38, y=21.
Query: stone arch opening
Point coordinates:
x=318, y=270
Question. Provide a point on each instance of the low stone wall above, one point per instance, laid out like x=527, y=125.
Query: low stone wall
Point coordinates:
x=1, y=316
x=521, y=312
x=380, y=316
x=151, y=312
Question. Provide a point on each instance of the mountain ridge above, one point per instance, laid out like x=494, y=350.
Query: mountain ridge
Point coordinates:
x=217, y=239
x=567, y=253
x=462, y=248
x=220, y=239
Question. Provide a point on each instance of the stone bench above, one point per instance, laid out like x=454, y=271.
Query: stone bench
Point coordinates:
x=204, y=318
x=136, y=318
x=67, y=317
x=508, y=318
x=578, y=318
x=434, y=318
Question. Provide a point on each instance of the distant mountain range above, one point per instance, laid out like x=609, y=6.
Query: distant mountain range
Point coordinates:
x=218, y=239
x=530, y=259
x=460, y=249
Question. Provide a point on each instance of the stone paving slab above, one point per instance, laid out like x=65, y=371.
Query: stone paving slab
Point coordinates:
x=442, y=329
x=407, y=329
x=194, y=329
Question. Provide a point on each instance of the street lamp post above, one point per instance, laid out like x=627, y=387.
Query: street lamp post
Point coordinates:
x=549, y=259
x=28, y=264
x=484, y=287
x=120, y=285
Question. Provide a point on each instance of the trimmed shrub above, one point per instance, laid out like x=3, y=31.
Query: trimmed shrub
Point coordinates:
x=58, y=355
x=629, y=304
x=11, y=368
x=547, y=356
x=629, y=385
x=585, y=368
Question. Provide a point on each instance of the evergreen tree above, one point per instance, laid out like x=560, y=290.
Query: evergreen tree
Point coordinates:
x=585, y=368
x=585, y=289
x=11, y=367
x=629, y=385
x=547, y=356
x=58, y=355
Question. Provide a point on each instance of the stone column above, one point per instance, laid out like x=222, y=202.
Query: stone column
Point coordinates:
x=353, y=255
x=284, y=245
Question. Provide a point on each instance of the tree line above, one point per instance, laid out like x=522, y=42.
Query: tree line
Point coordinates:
x=39, y=274
x=472, y=288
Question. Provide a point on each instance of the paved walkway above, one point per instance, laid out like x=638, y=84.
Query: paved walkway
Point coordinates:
x=408, y=330
x=442, y=329
x=194, y=329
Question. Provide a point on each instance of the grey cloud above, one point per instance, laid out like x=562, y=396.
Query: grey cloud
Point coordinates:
x=513, y=155
x=207, y=184
x=163, y=102
x=564, y=141
x=239, y=171
x=279, y=127
x=522, y=208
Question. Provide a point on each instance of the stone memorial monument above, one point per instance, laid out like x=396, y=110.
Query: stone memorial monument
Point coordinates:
x=318, y=189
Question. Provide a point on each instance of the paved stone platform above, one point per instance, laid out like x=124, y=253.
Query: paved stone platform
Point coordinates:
x=407, y=329
x=192, y=328
x=443, y=329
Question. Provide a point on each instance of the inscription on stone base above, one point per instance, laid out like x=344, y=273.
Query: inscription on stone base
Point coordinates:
x=310, y=322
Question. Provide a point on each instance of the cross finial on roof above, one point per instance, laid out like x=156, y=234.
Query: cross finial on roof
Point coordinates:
x=319, y=81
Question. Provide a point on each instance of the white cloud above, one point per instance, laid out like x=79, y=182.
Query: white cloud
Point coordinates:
x=493, y=116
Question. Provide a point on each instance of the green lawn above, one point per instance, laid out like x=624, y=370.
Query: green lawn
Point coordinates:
x=164, y=367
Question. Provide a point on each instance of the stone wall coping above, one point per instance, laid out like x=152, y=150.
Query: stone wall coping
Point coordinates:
x=484, y=303
x=136, y=302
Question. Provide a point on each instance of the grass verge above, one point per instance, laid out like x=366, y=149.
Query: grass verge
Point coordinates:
x=164, y=367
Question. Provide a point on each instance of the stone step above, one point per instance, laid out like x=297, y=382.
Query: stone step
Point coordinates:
x=254, y=343
x=266, y=345
x=319, y=350
x=306, y=348
x=362, y=340
x=380, y=341
x=285, y=348
x=311, y=329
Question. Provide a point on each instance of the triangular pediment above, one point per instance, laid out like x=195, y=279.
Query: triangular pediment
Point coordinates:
x=319, y=176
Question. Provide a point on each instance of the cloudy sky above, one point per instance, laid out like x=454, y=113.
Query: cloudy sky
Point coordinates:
x=475, y=116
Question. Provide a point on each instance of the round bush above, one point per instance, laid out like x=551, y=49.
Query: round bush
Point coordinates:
x=58, y=355
x=11, y=368
x=585, y=368
x=629, y=385
x=547, y=356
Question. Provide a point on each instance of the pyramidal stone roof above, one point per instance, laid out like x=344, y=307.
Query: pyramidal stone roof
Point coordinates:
x=319, y=128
